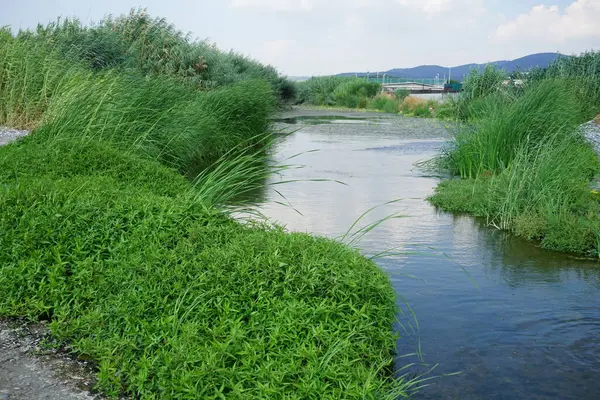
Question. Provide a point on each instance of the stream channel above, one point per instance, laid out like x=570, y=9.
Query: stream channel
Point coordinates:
x=517, y=321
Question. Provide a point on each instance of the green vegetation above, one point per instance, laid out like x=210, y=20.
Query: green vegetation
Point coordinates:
x=525, y=165
x=386, y=103
x=358, y=93
x=401, y=94
x=136, y=267
x=153, y=47
x=336, y=91
x=477, y=88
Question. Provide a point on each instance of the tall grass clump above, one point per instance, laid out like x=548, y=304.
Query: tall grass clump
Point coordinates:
x=477, y=88
x=154, y=47
x=525, y=164
x=137, y=268
x=184, y=130
x=491, y=142
x=543, y=195
x=29, y=77
x=583, y=71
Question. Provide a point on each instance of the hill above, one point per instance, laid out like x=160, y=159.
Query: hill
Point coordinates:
x=458, y=72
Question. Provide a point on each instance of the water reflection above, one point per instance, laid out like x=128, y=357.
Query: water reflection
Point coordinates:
x=520, y=322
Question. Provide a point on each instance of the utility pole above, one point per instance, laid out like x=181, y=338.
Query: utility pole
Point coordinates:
x=450, y=75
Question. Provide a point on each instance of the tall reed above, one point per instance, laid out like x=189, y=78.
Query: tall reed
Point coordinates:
x=491, y=142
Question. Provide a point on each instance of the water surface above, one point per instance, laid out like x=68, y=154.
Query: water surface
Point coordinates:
x=518, y=321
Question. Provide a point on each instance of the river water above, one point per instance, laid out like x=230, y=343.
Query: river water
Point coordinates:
x=516, y=321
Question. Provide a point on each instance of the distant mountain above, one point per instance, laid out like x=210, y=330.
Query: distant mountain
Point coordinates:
x=541, y=60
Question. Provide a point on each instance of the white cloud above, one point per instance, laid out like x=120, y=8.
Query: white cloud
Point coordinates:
x=276, y=5
x=301, y=5
x=441, y=6
x=426, y=6
x=549, y=24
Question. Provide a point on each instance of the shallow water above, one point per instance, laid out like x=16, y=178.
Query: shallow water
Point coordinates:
x=518, y=322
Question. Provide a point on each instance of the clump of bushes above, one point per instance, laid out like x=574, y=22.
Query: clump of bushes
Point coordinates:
x=385, y=102
x=154, y=47
x=417, y=107
x=336, y=91
x=357, y=93
x=401, y=94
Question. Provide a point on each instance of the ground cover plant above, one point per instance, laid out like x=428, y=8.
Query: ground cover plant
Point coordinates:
x=112, y=229
x=522, y=160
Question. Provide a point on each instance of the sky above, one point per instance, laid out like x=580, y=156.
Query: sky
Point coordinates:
x=319, y=37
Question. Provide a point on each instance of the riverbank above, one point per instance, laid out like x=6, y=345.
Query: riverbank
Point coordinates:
x=517, y=321
x=357, y=94
x=525, y=162
x=322, y=111
x=114, y=231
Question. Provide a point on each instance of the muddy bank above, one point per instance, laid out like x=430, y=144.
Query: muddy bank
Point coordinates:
x=296, y=112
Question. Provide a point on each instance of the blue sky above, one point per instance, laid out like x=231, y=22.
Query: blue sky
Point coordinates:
x=312, y=37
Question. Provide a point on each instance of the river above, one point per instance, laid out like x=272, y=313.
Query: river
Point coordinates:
x=516, y=321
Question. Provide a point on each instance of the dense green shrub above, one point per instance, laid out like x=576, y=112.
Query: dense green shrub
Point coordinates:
x=337, y=91
x=384, y=103
x=354, y=93
x=492, y=141
x=401, y=94
x=175, y=300
x=528, y=165
x=153, y=47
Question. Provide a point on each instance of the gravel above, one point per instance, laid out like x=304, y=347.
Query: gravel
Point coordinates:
x=8, y=135
x=29, y=370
